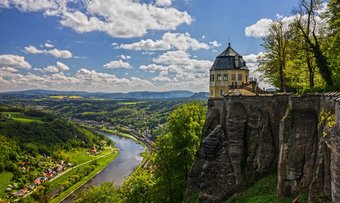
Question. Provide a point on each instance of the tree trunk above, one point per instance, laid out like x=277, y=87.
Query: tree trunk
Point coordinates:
x=322, y=63
x=310, y=71
x=282, y=78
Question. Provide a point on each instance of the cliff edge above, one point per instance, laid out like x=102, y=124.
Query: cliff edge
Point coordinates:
x=248, y=137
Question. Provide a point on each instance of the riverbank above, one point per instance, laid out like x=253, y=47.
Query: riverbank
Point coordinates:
x=101, y=162
x=123, y=166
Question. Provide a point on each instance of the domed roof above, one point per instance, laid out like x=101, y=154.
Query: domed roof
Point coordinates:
x=229, y=59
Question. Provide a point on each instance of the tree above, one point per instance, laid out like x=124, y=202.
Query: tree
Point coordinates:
x=174, y=151
x=333, y=19
x=105, y=193
x=307, y=23
x=273, y=63
x=302, y=61
x=138, y=188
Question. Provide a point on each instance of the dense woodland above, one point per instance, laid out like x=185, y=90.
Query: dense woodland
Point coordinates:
x=302, y=52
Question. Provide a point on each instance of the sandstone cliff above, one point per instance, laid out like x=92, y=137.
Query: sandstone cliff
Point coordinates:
x=248, y=137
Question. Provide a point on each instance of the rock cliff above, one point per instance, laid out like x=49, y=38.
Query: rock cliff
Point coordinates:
x=248, y=137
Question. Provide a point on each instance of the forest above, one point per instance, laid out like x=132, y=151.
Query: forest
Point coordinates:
x=301, y=53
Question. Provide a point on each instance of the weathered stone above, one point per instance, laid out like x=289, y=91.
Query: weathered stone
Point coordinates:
x=248, y=137
x=217, y=178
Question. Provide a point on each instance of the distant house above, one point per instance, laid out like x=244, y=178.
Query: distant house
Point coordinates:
x=92, y=150
x=31, y=187
x=24, y=190
x=37, y=181
x=58, y=168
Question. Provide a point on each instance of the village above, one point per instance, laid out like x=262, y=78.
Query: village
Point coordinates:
x=55, y=169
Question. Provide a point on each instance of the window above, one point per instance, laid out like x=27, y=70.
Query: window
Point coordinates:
x=221, y=92
x=212, y=77
x=212, y=92
x=219, y=77
x=233, y=77
x=225, y=77
x=240, y=77
x=246, y=78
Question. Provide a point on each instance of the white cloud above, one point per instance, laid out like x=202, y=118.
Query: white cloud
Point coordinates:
x=32, y=50
x=59, y=67
x=117, y=64
x=161, y=79
x=83, y=79
x=153, y=68
x=124, y=57
x=178, y=70
x=60, y=53
x=9, y=69
x=259, y=29
x=148, y=44
x=54, y=52
x=13, y=62
x=51, y=69
x=183, y=41
x=252, y=58
x=180, y=41
x=279, y=16
x=117, y=18
x=252, y=64
x=163, y=2
x=215, y=44
x=124, y=18
x=29, y=5
x=48, y=45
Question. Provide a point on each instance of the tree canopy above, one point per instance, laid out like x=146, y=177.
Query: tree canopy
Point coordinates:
x=302, y=54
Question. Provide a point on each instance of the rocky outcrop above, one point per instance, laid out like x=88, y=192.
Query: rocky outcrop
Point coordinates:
x=248, y=137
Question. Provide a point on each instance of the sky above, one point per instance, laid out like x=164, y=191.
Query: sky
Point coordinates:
x=127, y=45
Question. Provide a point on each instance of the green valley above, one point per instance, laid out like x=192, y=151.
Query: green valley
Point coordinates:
x=42, y=154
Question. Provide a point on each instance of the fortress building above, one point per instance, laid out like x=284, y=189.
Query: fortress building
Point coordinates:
x=230, y=75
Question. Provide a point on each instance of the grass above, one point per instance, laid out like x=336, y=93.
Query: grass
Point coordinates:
x=19, y=117
x=102, y=163
x=79, y=156
x=5, y=179
x=264, y=191
x=66, y=97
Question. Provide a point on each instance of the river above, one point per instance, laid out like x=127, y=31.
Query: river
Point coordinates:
x=128, y=159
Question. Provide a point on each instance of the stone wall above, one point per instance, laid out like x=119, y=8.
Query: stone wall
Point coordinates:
x=248, y=137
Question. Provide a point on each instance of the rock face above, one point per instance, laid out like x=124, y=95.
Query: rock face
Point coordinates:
x=248, y=137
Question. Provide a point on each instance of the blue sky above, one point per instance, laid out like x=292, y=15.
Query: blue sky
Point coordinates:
x=126, y=45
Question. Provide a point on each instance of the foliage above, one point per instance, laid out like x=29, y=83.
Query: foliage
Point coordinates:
x=138, y=187
x=263, y=190
x=28, y=149
x=301, y=55
x=106, y=193
x=165, y=178
x=174, y=151
x=275, y=59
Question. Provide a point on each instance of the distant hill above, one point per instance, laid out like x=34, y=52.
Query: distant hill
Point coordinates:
x=200, y=96
x=38, y=93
